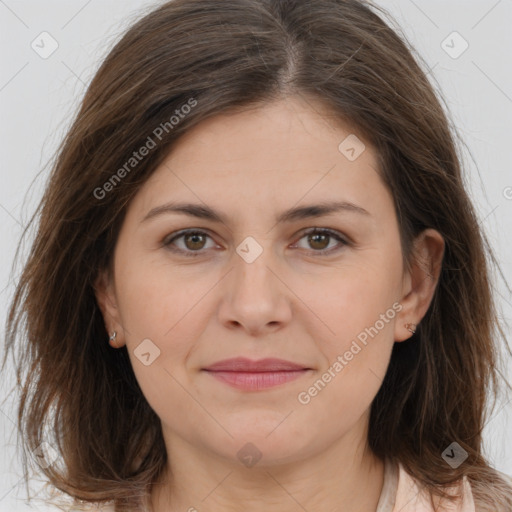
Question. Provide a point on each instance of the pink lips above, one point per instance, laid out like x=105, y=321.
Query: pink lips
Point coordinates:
x=250, y=375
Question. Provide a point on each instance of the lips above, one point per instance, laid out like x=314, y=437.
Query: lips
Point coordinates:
x=247, y=375
x=241, y=364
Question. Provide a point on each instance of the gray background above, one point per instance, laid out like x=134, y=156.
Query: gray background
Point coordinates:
x=38, y=96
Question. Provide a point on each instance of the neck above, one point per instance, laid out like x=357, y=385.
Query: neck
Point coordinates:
x=347, y=477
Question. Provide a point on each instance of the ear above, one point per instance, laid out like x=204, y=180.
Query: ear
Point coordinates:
x=107, y=302
x=420, y=281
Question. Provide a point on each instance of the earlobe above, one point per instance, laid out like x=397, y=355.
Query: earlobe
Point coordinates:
x=113, y=341
x=107, y=303
x=420, y=282
x=411, y=328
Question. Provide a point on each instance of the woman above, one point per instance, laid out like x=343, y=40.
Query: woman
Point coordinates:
x=258, y=281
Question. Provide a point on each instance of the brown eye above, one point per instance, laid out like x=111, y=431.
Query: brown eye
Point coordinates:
x=320, y=239
x=192, y=242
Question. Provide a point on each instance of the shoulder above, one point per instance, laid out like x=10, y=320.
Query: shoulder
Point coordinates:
x=412, y=497
x=71, y=506
x=81, y=507
x=60, y=502
x=472, y=497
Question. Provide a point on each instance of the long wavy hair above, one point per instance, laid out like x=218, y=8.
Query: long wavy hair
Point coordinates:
x=81, y=396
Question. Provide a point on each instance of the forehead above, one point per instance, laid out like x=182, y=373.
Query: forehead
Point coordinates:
x=274, y=133
x=280, y=153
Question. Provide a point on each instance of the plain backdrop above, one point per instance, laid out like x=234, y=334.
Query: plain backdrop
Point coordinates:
x=39, y=93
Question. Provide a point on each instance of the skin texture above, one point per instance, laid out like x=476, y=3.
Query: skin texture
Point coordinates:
x=291, y=302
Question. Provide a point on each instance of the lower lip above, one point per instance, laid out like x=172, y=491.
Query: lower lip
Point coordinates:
x=255, y=381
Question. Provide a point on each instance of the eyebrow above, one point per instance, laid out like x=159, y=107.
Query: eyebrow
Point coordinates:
x=293, y=214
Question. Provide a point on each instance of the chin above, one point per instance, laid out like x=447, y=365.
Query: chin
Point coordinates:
x=275, y=443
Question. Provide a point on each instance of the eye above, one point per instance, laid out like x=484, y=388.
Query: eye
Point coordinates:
x=319, y=239
x=193, y=241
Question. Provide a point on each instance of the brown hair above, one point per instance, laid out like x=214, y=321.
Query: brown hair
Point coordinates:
x=219, y=57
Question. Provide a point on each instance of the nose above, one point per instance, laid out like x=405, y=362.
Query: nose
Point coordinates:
x=255, y=298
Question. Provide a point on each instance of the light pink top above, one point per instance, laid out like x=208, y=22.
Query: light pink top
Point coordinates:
x=400, y=493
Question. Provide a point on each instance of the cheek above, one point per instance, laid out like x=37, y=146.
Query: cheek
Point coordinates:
x=163, y=307
x=357, y=298
x=356, y=357
x=166, y=306
x=155, y=297
x=361, y=310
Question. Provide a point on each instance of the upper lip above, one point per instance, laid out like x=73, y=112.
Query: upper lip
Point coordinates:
x=242, y=364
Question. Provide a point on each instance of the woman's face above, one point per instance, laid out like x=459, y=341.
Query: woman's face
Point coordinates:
x=256, y=285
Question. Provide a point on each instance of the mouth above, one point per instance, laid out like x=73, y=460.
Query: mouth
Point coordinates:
x=247, y=375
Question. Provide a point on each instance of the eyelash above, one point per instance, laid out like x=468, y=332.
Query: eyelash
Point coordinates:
x=167, y=242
